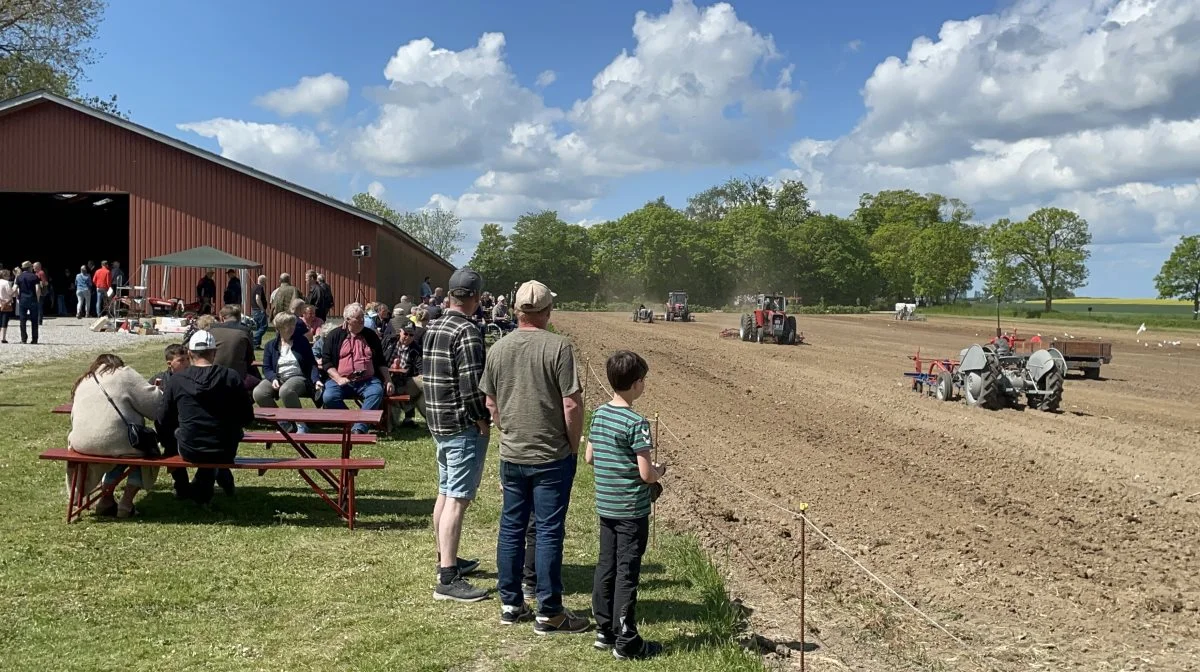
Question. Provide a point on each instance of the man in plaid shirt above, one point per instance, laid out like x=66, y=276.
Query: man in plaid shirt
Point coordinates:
x=457, y=415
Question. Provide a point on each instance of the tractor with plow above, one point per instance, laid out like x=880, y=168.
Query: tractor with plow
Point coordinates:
x=677, y=308
x=769, y=322
x=993, y=376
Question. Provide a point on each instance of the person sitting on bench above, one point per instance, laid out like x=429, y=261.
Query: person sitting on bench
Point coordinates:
x=404, y=355
x=178, y=359
x=289, y=367
x=205, y=407
x=352, y=357
x=106, y=399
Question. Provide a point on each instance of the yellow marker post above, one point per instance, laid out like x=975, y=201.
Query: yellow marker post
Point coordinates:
x=803, y=552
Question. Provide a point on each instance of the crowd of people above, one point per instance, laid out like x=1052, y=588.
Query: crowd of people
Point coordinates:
x=525, y=387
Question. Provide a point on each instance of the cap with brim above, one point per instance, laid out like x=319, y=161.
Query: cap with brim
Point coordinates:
x=466, y=282
x=201, y=341
x=533, y=297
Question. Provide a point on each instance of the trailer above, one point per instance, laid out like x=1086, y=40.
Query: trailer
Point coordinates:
x=1083, y=356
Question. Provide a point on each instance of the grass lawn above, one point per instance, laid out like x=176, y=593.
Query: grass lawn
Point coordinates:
x=273, y=580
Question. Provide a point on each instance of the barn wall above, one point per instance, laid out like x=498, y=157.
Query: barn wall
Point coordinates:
x=179, y=200
x=401, y=267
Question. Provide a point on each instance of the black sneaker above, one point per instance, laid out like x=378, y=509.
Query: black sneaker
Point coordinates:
x=563, y=623
x=512, y=615
x=604, y=641
x=649, y=650
x=458, y=590
x=465, y=566
x=225, y=480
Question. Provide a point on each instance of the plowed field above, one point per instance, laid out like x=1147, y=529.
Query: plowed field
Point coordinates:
x=1041, y=541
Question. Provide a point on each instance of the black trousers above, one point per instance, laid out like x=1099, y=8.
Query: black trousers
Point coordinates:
x=203, y=481
x=614, y=592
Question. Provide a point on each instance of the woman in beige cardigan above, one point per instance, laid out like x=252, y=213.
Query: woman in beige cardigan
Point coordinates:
x=97, y=428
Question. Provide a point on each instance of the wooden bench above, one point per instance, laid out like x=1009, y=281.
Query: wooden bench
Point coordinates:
x=343, y=502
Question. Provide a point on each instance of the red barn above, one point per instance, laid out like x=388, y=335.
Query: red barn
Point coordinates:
x=77, y=184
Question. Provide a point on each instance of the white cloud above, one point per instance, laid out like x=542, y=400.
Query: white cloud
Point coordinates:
x=376, y=189
x=311, y=95
x=278, y=149
x=854, y=45
x=1099, y=113
x=546, y=78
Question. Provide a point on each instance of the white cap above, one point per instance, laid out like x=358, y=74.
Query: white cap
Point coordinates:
x=201, y=341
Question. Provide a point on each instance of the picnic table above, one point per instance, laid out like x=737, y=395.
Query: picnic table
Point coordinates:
x=342, y=495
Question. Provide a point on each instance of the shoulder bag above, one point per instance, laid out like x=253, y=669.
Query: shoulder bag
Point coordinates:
x=141, y=438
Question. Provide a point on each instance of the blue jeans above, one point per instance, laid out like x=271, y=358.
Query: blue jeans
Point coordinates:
x=100, y=301
x=260, y=328
x=28, y=311
x=370, y=391
x=543, y=490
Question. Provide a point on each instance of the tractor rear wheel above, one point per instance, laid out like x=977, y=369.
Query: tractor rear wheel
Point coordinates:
x=747, y=327
x=789, y=330
x=1053, y=386
x=983, y=387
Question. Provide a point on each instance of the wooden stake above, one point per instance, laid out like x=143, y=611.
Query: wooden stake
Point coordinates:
x=803, y=553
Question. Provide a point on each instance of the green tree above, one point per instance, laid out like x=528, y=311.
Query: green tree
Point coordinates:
x=1051, y=244
x=790, y=203
x=713, y=203
x=618, y=264
x=945, y=260
x=543, y=247
x=44, y=45
x=760, y=249
x=492, y=259
x=678, y=253
x=439, y=230
x=1179, y=277
x=1005, y=278
x=833, y=261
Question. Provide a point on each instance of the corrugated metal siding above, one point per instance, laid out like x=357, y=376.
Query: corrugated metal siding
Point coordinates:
x=402, y=267
x=178, y=201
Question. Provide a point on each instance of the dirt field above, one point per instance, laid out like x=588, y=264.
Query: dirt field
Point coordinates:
x=1043, y=541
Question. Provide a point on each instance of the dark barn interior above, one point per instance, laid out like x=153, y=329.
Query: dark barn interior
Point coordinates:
x=65, y=230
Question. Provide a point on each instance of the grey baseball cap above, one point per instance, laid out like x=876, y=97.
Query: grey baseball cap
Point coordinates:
x=466, y=282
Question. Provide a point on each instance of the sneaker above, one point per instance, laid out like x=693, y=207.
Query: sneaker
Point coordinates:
x=301, y=428
x=604, y=641
x=649, y=650
x=465, y=566
x=510, y=615
x=458, y=590
x=225, y=480
x=565, y=622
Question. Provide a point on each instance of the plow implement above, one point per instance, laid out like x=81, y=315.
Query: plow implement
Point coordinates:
x=738, y=333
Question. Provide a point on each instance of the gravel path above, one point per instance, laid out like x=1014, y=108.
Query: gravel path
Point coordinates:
x=68, y=337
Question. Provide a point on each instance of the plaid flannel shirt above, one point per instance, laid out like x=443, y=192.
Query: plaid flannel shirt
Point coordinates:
x=452, y=364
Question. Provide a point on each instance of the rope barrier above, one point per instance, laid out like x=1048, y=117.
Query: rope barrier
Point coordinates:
x=818, y=530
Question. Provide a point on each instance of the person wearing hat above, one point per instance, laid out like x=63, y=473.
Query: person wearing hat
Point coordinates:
x=204, y=409
x=403, y=352
x=536, y=401
x=451, y=365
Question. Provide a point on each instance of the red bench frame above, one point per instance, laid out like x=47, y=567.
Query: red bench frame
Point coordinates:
x=345, y=506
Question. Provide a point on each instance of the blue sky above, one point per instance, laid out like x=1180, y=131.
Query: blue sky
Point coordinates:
x=975, y=102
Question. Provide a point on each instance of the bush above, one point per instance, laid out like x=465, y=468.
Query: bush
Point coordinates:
x=833, y=310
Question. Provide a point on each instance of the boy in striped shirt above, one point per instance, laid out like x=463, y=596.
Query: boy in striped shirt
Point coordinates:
x=618, y=447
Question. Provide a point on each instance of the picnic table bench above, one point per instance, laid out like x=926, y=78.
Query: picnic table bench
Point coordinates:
x=341, y=484
x=79, y=501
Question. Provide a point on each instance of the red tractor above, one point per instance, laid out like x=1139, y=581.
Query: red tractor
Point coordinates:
x=769, y=321
x=677, y=307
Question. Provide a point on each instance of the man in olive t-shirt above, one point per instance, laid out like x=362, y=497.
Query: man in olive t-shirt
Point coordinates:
x=536, y=401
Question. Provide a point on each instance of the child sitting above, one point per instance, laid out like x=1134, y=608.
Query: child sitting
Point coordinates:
x=618, y=447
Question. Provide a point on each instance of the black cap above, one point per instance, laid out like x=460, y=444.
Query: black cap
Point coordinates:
x=465, y=282
x=409, y=329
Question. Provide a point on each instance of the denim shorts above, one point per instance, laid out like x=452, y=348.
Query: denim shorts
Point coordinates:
x=460, y=459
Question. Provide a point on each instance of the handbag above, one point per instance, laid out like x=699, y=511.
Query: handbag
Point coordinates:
x=141, y=438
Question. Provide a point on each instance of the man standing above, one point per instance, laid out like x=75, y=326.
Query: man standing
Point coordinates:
x=283, y=296
x=118, y=275
x=426, y=290
x=102, y=280
x=458, y=419
x=259, y=310
x=206, y=292
x=233, y=289
x=324, y=297
x=235, y=346
x=535, y=398
x=352, y=357
x=83, y=292
x=29, y=296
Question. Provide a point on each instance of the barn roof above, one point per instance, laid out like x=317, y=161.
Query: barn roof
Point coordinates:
x=36, y=97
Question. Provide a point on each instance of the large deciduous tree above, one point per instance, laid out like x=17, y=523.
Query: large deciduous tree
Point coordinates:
x=491, y=259
x=833, y=261
x=543, y=247
x=439, y=230
x=1179, y=277
x=1052, y=244
x=44, y=45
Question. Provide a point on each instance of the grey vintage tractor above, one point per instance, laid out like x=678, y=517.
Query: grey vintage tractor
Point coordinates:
x=643, y=314
x=994, y=376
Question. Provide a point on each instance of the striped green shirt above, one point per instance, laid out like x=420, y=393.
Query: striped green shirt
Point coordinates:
x=617, y=435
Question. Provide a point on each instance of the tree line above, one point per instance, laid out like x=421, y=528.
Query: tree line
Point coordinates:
x=749, y=235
